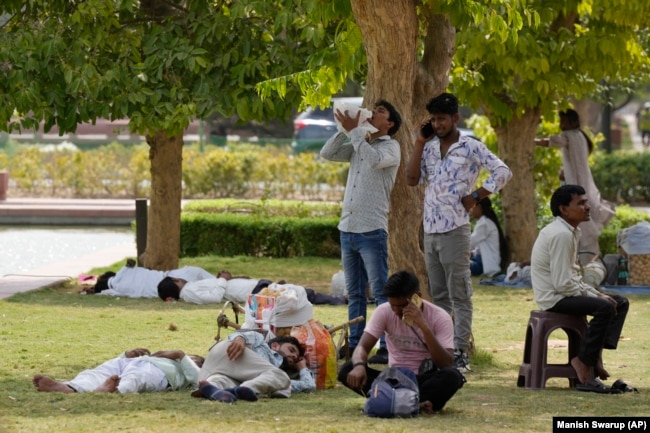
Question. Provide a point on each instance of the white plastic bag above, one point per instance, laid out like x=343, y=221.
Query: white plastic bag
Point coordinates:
x=337, y=288
x=352, y=110
x=635, y=239
x=291, y=306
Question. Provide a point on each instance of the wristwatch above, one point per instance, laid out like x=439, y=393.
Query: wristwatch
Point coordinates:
x=476, y=197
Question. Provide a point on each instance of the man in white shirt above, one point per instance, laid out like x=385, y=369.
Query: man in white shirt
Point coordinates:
x=558, y=285
x=134, y=371
x=137, y=282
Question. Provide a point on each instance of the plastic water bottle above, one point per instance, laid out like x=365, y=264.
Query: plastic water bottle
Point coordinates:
x=266, y=319
x=621, y=279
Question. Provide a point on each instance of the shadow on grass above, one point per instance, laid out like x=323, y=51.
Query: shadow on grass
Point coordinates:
x=65, y=295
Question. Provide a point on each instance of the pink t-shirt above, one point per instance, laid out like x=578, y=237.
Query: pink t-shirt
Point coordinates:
x=405, y=349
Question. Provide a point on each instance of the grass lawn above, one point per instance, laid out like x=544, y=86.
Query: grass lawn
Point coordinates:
x=58, y=332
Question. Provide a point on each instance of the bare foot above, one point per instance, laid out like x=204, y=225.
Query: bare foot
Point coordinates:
x=47, y=384
x=600, y=370
x=584, y=372
x=426, y=407
x=109, y=385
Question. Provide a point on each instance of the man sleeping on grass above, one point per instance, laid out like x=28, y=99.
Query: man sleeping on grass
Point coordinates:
x=227, y=287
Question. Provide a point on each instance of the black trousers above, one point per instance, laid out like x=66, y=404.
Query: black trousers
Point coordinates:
x=605, y=327
x=436, y=386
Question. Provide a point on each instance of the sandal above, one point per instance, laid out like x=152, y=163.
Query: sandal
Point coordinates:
x=595, y=385
x=623, y=387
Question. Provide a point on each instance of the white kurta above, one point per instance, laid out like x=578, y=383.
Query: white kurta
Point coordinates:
x=143, y=283
x=575, y=162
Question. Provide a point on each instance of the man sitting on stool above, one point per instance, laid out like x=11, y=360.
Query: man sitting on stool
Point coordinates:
x=558, y=286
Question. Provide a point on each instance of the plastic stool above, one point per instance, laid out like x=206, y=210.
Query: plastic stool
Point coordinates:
x=535, y=371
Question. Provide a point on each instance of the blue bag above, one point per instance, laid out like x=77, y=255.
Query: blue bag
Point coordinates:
x=394, y=393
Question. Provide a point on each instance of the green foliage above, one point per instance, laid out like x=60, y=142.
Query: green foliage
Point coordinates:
x=117, y=171
x=107, y=171
x=265, y=207
x=229, y=234
x=623, y=176
x=158, y=63
x=555, y=51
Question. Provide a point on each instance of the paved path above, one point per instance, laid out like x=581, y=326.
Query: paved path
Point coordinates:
x=43, y=211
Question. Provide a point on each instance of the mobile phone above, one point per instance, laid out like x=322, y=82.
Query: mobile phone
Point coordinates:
x=417, y=301
x=427, y=130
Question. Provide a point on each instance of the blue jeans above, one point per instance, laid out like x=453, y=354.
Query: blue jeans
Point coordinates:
x=476, y=265
x=365, y=261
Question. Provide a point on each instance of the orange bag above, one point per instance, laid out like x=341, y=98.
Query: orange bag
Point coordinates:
x=320, y=352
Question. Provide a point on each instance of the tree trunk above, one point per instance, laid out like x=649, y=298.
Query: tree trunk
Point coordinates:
x=163, y=223
x=390, y=36
x=591, y=113
x=516, y=148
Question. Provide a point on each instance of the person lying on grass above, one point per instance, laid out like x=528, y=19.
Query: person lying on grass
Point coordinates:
x=225, y=286
x=137, y=282
x=136, y=370
x=245, y=367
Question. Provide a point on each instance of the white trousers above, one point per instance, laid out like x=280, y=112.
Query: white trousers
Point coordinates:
x=251, y=370
x=136, y=375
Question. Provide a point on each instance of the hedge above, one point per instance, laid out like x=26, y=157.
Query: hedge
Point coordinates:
x=623, y=177
x=225, y=234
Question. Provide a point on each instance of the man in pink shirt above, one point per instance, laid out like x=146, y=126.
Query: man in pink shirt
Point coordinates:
x=417, y=333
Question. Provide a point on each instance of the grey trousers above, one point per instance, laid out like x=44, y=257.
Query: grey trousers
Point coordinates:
x=446, y=256
x=251, y=370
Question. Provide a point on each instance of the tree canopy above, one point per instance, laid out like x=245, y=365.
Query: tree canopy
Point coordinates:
x=162, y=63
x=158, y=63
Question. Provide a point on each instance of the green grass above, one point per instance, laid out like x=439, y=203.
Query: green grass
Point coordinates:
x=58, y=332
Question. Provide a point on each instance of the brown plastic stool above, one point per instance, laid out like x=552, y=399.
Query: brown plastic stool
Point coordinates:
x=535, y=371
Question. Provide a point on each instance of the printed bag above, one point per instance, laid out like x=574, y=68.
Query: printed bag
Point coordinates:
x=320, y=352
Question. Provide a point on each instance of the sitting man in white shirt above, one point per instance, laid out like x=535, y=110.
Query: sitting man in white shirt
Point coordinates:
x=559, y=287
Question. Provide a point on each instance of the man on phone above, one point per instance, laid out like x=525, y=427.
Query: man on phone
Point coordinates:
x=374, y=159
x=419, y=336
x=450, y=163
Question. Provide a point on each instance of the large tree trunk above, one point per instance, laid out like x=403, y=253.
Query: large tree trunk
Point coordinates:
x=516, y=148
x=390, y=36
x=163, y=223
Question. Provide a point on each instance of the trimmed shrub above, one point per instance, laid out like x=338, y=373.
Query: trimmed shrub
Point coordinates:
x=226, y=234
x=623, y=177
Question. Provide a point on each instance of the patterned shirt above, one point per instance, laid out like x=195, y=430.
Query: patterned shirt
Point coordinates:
x=371, y=177
x=450, y=178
